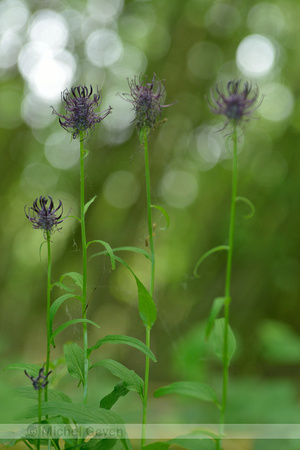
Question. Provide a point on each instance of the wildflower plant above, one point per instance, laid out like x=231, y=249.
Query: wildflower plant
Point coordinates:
x=147, y=100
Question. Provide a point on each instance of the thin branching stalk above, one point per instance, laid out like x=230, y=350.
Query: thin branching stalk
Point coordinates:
x=144, y=140
x=228, y=280
x=48, y=308
x=84, y=271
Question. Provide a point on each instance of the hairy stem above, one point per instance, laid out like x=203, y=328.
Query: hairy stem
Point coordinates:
x=144, y=140
x=84, y=271
x=48, y=310
x=228, y=279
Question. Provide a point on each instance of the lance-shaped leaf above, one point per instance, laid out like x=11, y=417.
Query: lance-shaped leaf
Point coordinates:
x=193, y=389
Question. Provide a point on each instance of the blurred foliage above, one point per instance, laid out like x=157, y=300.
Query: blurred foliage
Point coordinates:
x=49, y=46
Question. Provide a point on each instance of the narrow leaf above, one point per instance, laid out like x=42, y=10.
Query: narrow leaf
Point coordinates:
x=120, y=390
x=31, y=369
x=67, y=324
x=217, y=337
x=193, y=389
x=126, y=249
x=88, y=204
x=109, y=251
x=53, y=395
x=189, y=443
x=131, y=380
x=249, y=203
x=147, y=308
x=56, y=304
x=120, y=339
x=165, y=214
x=75, y=276
x=216, y=308
x=208, y=253
x=75, y=360
x=78, y=413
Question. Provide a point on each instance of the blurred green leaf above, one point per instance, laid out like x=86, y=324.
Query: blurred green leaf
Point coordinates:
x=131, y=380
x=127, y=340
x=215, y=309
x=279, y=343
x=217, y=337
x=193, y=389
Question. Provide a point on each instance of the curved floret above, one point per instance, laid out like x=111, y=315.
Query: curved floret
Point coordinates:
x=40, y=382
x=80, y=105
x=44, y=216
x=147, y=101
x=237, y=104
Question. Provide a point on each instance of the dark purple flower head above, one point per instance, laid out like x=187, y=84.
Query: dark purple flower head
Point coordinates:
x=147, y=100
x=237, y=104
x=45, y=216
x=80, y=106
x=41, y=380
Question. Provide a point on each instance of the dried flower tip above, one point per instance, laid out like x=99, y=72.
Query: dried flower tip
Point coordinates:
x=41, y=380
x=45, y=217
x=147, y=101
x=80, y=105
x=237, y=104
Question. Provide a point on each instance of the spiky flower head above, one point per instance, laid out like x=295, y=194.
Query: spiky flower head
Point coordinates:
x=41, y=380
x=147, y=101
x=237, y=104
x=80, y=105
x=44, y=216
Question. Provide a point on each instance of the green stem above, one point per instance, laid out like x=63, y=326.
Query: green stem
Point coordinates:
x=48, y=310
x=228, y=278
x=84, y=271
x=39, y=415
x=144, y=141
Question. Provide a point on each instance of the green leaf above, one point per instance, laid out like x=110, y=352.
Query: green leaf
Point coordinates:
x=120, y=390
x=31, y=369
x=208, y=253
x=79, y=413
x=189, y=442
x=131, y=380
x=55, y=306
x=120, y=339
x=193, y=389
x=279, y=342
x=216, y=308
x=88, y=204
x=53, y=395
x=157, y=446
x=147, y=308
x=127, y=249
x=165, y=214
x=217, y=337
x=109, y=251
x=67, y=324
x=75, y=276
x=75, y=360
x=249, y=203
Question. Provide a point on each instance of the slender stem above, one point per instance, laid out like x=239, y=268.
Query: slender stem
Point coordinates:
x=84, y=270
x=39, y=415
x=228, y=278
x=48, y=310
x=144, y=141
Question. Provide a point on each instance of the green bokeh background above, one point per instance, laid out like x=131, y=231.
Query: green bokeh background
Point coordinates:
x=191, y=44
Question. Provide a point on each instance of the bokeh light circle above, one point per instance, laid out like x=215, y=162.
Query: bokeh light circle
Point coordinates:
x=255, y=55
x=121, y=189
x=179, y=188
x=103, y=48
x=278, y=103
